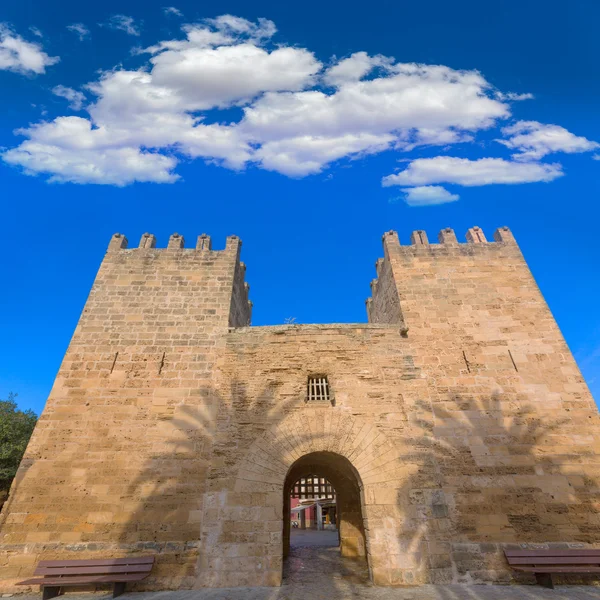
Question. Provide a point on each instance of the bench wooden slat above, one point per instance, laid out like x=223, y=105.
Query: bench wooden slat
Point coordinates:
x=555, y=560
x=568, y=569
x=536, y=553
x=544, y=563
x=133, y=560
x=71, y=581
x=60, y=574
x=58, y=571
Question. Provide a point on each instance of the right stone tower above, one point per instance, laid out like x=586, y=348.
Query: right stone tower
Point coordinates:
x=507, y=418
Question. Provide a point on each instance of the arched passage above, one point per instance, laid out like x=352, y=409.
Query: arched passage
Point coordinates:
x=345, y=450
x=348, y=488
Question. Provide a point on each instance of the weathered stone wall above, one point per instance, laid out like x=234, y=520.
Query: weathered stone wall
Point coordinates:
x=508, y=431
x=384, y=306
x=265, y=425
x=466, y=421
x=241, y=307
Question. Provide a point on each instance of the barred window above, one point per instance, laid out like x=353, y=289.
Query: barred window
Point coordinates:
x=318, y=389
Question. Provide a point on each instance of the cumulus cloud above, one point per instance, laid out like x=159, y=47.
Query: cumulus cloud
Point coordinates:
x=291, y=114
x=21, y=56
x=410, y=99
x=171, y=10
x=115, y=166
x=462, y=171
x=428, y=195
x=75, y=98
x=123, y=23
x=71, y=154
x=80, y=30
x=535, y=140
x=199, y=74
x=304, y=155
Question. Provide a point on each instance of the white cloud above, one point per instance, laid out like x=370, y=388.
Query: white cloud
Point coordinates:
x=513, y=97
x=124, y=23
x=462, y=171
x=36, y=31
x=534, y=140
x=412, y=98
x=428, y=195
x=305, y=155
x=218, y=77
x=75, y=98
x=171, y=10
x=437, y=137
x=16, y=54
x=80, y=29
x=296, y=118
x=596, y=157
x=72, y=155
x=262, y=29
x=355, y=68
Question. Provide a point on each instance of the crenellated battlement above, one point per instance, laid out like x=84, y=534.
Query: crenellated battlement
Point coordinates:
x=407, y=269
x=419, y=259
x=447, y=237
x=218, y=273
x=176, y=242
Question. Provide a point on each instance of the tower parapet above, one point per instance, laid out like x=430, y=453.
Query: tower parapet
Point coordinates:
x=447, y=237
x=407, y=270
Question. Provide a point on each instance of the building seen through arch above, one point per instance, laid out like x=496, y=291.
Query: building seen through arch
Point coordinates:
x=313, y=504
x=451, y=425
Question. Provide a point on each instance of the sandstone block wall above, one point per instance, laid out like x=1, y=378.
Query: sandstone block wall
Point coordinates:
x=459, y=420
x=510, y=431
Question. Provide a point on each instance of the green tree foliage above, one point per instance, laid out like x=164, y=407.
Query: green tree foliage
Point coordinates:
x=16, y=427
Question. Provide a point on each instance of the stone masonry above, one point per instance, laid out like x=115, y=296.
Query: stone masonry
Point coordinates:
x=459, y=423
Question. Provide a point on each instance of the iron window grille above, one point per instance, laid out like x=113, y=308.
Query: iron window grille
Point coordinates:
x=318, y=389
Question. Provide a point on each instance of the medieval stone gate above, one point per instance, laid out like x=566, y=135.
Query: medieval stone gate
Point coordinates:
x=456, y=422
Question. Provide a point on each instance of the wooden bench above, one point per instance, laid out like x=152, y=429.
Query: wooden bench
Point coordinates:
x=543, y=563
x=58, y=574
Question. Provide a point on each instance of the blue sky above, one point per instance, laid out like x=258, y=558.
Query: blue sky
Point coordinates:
x=308, y=130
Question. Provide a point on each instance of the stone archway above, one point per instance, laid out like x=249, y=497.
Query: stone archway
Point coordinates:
x=348, y=487
x=243, y=536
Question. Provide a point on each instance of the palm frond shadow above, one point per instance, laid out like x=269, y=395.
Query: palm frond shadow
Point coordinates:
x=197, y=445
x=481, y=477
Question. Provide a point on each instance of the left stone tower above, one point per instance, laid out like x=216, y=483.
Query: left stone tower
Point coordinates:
x=119, y=459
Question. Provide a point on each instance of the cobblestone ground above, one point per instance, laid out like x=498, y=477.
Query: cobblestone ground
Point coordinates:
x=317, y=572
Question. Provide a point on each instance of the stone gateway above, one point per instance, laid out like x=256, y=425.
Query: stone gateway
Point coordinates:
x=454, y=424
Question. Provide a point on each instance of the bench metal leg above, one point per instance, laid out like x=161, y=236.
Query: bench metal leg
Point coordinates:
x=118, y=588
x=544, y=579
x=50, y=591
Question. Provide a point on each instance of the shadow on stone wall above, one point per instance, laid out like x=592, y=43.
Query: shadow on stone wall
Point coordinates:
x=485, y=479
x=198, y=450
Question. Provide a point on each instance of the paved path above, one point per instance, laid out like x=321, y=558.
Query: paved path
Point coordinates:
x=340, y=591
x=319, y=573
x=311, y=537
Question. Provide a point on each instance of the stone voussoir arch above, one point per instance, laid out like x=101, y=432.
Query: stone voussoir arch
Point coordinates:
x=361, y=442
x=244, y=513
